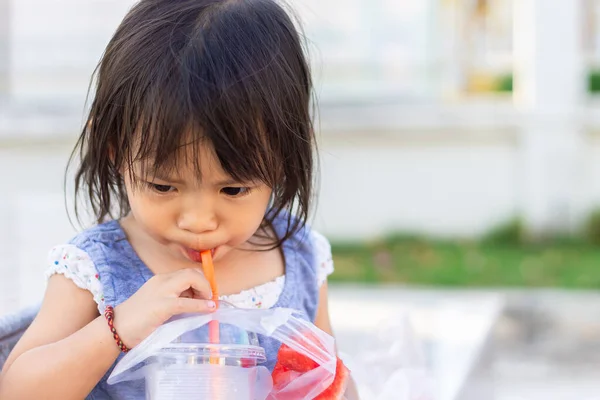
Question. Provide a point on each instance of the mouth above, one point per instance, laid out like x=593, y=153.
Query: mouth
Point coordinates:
x=194, y=255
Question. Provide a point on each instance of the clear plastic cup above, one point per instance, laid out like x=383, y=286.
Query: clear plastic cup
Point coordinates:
x=192, y=368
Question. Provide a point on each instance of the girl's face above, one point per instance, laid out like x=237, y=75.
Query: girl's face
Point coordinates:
x=189, y=216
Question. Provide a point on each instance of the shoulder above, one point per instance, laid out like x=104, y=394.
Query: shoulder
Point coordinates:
x=77, y=266
x=323, y=259
x=310, y=245
x=76, y=259
x=102, y=233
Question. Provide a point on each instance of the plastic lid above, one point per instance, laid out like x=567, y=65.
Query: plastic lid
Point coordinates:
x=235, y=343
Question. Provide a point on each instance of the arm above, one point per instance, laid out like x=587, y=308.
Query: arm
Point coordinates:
x=67, y=339
x=323, y=322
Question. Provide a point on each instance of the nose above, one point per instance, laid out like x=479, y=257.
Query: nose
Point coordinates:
x=198, y=219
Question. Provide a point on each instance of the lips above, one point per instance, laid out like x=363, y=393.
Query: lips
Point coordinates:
x=194, y=255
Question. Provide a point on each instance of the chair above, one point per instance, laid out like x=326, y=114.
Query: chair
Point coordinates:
x=12, y=327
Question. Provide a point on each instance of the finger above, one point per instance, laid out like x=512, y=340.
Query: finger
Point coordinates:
x=182, y=305
x=193, y=294
x=189, y=278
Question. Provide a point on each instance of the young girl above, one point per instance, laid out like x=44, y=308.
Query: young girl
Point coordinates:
x=199, y=138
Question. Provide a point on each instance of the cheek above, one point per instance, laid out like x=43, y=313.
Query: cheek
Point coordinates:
x=151, y=214
x=244, y=221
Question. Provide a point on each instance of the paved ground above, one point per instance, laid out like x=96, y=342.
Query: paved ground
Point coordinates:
x=544, y=346
x=394, y=330
x=539, y=345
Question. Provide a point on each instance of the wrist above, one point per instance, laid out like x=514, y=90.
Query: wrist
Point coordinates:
x=109, y=315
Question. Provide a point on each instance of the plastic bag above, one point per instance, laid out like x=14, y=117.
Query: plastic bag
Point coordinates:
x=392, y=365
x=281, y=324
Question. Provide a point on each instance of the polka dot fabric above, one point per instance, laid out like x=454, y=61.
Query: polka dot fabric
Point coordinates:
x=76, y=265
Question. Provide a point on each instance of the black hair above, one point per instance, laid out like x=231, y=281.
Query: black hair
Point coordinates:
x=232, y=73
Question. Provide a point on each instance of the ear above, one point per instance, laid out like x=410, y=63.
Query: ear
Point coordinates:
x=271, y=201
x=111, y=159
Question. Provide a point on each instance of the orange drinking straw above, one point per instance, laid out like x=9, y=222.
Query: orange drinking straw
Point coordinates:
x=209, y=273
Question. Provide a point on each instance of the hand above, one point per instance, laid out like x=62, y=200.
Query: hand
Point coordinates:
x=163, y=296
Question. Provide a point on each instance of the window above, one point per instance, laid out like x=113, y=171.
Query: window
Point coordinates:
x=54, y=47
x=4, y=49
x=591, y=40
x=477, y=36
x=371, y=49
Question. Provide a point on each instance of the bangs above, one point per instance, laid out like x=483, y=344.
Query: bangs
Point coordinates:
x=229, y=85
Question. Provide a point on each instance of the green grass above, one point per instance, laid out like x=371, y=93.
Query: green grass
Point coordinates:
x=504, y=82
x=402, y=259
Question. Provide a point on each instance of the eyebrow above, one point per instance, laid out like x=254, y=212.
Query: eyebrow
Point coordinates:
x=140, y=175
x=169, y=179
x=227, y=182
x=224, y=182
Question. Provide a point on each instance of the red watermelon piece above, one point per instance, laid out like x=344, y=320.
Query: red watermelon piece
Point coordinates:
x=292, y=360
x=336, y=390
x=280, y=375
x=290, y=363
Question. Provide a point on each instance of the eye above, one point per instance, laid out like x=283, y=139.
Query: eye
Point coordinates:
x=160, y=188
x=235, y=191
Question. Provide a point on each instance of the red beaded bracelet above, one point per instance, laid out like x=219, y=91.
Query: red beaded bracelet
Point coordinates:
x=109, y=314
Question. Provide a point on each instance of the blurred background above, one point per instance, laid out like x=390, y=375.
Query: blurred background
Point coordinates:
x=460, y=178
